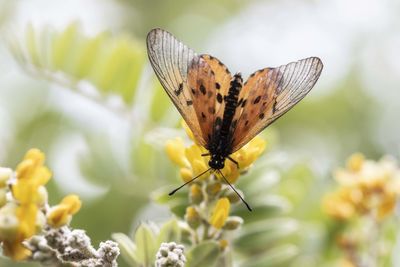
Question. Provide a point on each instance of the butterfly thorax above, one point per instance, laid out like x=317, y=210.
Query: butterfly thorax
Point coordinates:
x=221, y=141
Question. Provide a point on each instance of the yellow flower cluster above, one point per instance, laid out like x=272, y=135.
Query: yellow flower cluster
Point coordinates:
x=191, y=162
x=366, y=187
x=23, y=200
x=210, y=202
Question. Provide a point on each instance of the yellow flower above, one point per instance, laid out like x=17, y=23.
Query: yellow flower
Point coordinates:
x=220, y=213
x=346, y=263
x=61, y=214
x=31, y=174
x=192, y=163
x=338, y=206
x=366, y=187
x=28, y=193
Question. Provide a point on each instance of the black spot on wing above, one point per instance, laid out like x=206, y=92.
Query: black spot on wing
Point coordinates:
x=218, y=86
x=180, y=89
x=219, y=98
x=257, y=99
x=202, y=89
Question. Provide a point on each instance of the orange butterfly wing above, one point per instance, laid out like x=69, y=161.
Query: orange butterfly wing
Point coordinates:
x=196, y=84
x=171, y=60
x=270, y=93
x=209, y=81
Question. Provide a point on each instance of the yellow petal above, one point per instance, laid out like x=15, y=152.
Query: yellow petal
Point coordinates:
x=58, y=216
x=186, y=174
x=355, y=162
x=176, y=152
x=35, y=155
x=73, y=203
x=220, y=213
x=16, y=251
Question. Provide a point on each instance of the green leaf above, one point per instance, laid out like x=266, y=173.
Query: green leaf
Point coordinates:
x=31, y=45
x=127, y=247
x=63, y=45
x=279, y=256
x=264, y=234
x=113, y=64
x=146, y=246
x=204, y=254
x=169, y=232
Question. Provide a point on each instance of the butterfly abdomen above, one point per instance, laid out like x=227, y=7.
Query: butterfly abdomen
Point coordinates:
x=221, y=140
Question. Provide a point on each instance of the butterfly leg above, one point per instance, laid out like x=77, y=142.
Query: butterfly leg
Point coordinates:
x=234, y=161
x=205, y=154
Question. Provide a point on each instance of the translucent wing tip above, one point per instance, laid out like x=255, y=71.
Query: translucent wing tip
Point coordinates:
x=317, y=62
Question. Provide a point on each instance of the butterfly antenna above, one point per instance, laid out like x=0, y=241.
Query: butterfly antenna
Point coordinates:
x=188, y=182
x=233, y=188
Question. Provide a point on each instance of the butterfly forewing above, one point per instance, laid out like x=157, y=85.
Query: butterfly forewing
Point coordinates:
x=171, y=60
x=269, y=94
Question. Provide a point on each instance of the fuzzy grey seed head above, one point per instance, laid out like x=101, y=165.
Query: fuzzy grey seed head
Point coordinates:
x=170, y=255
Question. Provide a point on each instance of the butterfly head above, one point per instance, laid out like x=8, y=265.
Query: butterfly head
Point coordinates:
x=216, y=162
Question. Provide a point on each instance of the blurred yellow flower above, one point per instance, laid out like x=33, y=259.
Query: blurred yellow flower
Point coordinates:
x=346, y=263
x=31, y=175
x=22, y=213
x=366, y=187
x=61, y=214
x=223, y=243
x=220, y=213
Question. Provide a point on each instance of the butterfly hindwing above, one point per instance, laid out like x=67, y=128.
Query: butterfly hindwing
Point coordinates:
x=171, y=60
x=270, y=93
x=201, y=82
x=222, y=82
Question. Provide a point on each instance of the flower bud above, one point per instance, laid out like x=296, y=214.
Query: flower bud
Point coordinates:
x=5, y=174
x=223, y=243
x=196, y=195
x=213, y=188
x=40, y=221
x=192, y=217
x=9, y=223
x=233, y=197
x=3, y=197
x=233, y=223
x=42, y=196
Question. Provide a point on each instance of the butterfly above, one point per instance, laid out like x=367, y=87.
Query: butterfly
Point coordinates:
x=223, y=112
